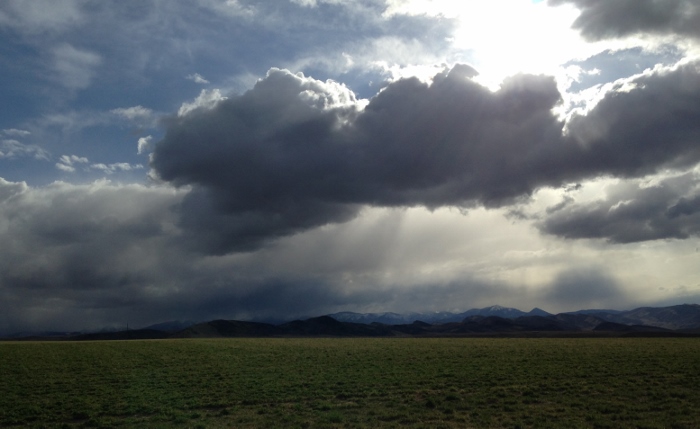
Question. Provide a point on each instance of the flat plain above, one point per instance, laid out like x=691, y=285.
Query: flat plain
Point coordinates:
x=344, y=383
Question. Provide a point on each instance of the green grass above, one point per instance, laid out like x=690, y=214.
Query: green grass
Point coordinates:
x=336, y=383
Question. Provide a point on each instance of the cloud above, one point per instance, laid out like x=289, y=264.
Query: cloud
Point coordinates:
x=643, y=123
x=621, y=18
x=133, y=113
x=117, y=166
x=89, y=256
x=197, y=78
x=67, y=162
x=106, y=254
x=206, y=99
x=75, y=68
x=306, y=3
x=234, y=8
x=634, y=210
x=74, y=121
x=40, y=16
x=295, y=153
x=14, y=132
x=10, y=148
x=144, y=144
x=138, y=116
x=69, y=249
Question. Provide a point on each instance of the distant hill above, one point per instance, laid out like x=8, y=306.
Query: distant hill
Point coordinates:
x=171, y=326
x=685, y=316
x=133, y=334
x=229, y=328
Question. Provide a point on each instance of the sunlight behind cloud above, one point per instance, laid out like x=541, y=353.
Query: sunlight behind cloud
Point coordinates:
x=501, y=38
x=509, y=37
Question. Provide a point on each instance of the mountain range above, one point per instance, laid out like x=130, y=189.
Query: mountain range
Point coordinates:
x=435, y=317
x=678, y=320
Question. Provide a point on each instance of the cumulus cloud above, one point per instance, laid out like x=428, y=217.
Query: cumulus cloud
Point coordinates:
x=295, y=153
x=620, y=18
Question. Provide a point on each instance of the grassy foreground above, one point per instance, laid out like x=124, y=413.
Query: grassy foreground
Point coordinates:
x=334, y=383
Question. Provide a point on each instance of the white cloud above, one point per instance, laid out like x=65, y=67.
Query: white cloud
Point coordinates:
x=205, y=100
x=117, y=166
x=14, y=132
x=132, y=113
x=67, y=162
x=11, y=148
x=75, y=68
x=65, y=167
x=197, y=78
x=144, y=144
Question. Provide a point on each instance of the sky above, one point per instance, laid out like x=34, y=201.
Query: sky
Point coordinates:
x=257, y=160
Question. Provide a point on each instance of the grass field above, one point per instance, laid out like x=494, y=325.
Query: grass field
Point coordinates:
x=334, y=383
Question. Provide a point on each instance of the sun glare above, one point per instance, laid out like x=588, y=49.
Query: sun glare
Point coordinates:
x=506, y=37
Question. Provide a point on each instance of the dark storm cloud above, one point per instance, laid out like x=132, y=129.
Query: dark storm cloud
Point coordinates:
x=294, y=153
x=634, y=212
x=602, y=19
x=645, y=123
x=70, y=249
x=100, y=255
x=91, y=256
